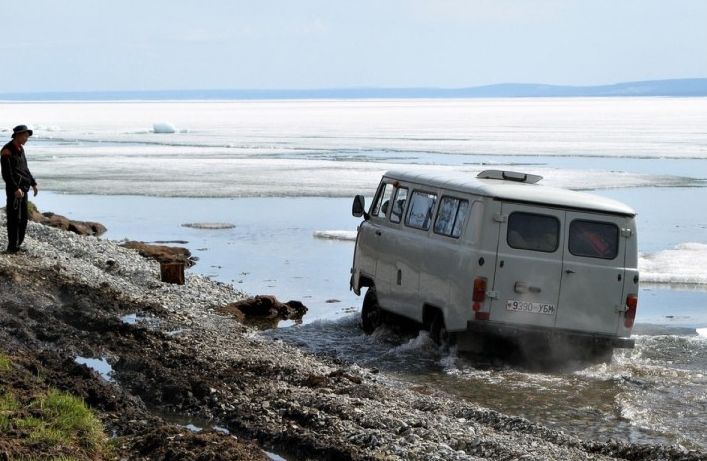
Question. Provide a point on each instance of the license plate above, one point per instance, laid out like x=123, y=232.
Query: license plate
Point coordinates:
x=533, y=308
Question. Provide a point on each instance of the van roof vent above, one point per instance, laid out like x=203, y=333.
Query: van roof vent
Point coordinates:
x=509, y=176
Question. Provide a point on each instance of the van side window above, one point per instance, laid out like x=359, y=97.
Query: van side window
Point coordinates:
x=382, y=199
x=529, y=231
x=399, y=204
x=422, y=205
x=594, y=239
x=451, y=215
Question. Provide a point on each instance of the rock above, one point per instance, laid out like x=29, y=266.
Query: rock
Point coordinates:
x=161, y=253
x=266, y=306
x=64, y=223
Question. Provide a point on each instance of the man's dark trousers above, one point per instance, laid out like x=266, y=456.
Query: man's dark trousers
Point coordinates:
x=16, y=220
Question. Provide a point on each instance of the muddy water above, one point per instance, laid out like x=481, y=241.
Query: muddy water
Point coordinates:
x=656, y=392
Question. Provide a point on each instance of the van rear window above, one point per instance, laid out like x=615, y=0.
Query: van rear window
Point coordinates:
x=422, y=205
x=593, y=239
x=451, y=215
x=529, y=231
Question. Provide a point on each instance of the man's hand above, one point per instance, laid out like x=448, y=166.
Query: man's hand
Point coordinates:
x=36, y=191
x=19, y=193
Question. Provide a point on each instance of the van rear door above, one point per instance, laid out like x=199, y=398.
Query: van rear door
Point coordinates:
x=529, y=265
x=592, y=274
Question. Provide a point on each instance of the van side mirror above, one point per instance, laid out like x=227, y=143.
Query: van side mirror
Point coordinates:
x=358, y=208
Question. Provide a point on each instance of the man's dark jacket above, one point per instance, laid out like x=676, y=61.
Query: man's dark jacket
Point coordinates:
x=15, y=172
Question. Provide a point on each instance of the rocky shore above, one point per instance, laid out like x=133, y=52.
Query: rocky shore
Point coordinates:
x=181, y=358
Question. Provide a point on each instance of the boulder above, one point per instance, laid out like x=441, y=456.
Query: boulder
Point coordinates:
x=265, y=307
x=62, y=222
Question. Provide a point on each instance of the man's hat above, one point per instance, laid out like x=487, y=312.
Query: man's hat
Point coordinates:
x=20, y=129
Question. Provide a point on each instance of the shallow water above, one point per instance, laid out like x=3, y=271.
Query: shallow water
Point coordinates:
x=653, y=393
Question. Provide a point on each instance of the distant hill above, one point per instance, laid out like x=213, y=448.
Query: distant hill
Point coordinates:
x=693, y=87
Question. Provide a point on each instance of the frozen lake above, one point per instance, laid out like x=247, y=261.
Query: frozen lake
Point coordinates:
x=283, y=171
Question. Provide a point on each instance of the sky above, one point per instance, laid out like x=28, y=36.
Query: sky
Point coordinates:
x=99, y=45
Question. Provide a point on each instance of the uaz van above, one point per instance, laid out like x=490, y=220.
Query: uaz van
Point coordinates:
x=498, y=256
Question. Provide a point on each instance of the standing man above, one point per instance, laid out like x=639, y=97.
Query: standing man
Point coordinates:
x=18, y=181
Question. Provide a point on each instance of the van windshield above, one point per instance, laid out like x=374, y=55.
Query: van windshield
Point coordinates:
x=529, y=231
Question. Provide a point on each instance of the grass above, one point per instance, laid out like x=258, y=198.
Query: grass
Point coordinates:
x=68, y=420
x=37, y=420
x=56, y=419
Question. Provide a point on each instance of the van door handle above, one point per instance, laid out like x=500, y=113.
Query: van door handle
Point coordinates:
x=569, y=271
x=379, y=232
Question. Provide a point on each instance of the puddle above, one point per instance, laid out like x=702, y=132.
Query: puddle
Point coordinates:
x=274, y=457
x=130, y=319
x=101, y=366
x=193, y=428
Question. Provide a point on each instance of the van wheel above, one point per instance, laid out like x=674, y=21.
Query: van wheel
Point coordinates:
x=371, y=312
x=439, y=333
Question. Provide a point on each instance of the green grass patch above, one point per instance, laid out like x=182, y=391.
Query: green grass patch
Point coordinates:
x=68, y=419
x=56, y=419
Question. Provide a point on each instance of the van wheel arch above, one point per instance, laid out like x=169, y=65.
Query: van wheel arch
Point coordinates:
x=365, y=281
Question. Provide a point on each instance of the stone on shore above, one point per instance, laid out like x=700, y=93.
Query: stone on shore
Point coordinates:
x=64, y=223
x=265, y=306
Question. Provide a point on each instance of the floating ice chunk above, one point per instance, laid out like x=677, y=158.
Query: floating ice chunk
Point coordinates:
x=335, y=235
x=99, y=365
x=209, y=225
x=683, y=264
x=164, y=127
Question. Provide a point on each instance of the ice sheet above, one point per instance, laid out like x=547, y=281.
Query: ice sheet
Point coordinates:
x=247, y=177
x=624, y=127
x=340, y=148
x=336, y=235
x=684, y=264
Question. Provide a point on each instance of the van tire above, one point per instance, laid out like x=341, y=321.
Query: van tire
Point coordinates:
x=371, y=312
x=438, y=331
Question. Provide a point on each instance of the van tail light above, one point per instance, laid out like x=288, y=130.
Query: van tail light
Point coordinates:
x=631, y=308
x=479, y=290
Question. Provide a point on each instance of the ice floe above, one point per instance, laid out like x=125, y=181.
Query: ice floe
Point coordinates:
x=684, y=264
x=336, y=235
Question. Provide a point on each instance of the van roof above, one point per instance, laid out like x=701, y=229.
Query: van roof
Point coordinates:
x=514, y=191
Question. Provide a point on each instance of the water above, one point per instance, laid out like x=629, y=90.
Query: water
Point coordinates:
x=100, y=366
x=283, y=173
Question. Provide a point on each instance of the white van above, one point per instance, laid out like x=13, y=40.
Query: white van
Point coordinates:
x=501, y=255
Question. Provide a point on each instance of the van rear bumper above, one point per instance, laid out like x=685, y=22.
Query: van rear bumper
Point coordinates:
x=524, y=333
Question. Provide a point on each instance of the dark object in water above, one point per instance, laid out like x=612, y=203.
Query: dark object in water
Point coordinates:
x=265, y=307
